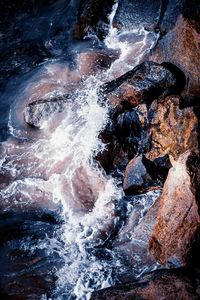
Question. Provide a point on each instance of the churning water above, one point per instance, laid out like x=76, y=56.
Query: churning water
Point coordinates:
x=54, y=168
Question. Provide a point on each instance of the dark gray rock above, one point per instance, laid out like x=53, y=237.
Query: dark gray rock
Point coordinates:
x=39, y=111
x=137, y=179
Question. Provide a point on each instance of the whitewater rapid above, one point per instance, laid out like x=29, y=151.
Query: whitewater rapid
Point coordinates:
x=55, y=167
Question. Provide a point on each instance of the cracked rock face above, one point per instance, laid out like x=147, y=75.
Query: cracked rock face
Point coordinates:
x=173, y=130
x=178, y=217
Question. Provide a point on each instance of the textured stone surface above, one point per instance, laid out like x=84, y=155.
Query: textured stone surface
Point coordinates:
x=144, y=83
x=164, y=284
x=37, y=112
x=137, y=178
x=181, y=46
x=172, y=130
x=178, y=217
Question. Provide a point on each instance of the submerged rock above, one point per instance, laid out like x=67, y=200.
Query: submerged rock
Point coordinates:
x=92, y=61
x=163, y=284
x=132, y=240
x=178, y=217
x=37, y=112
x=144, y=83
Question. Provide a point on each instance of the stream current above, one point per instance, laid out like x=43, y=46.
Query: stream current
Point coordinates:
x=53, y=170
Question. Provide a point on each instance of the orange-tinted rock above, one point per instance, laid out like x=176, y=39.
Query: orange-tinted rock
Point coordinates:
x=181, y=46
x=172, y=130
x=165, y=284
x=178, y=217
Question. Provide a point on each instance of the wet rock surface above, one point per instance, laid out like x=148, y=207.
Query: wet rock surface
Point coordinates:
x=37, y=112
x=142, y=84
x=27, y=271
x=136, y=177
x=184, y=53
x=178, y=217
x=146, y=139
x=133, y=238
x=93, y=18
x=165, y=284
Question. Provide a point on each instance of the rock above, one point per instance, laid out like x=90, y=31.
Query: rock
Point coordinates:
x=37, y=112
x=174, y=284
x=93, y=17
x=178, y=217
x=144, y=83
x=27, y=272
x=158, y=14
x=91, y=61
x=132, y=130
x=172, y=130
x=131, y=243
x=133, y=14
x=184, y=53
x=137, y=179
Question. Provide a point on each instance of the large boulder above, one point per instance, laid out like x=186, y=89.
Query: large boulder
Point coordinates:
x=178, y=217
x=180, y=46
x=144, y=83
x=172, y=130
x=164, y=284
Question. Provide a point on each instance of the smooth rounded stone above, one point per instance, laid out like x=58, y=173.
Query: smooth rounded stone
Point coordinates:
x=178, y=217
x=37, y=112
x=173, y=130
x=174, y=284
x=144, y=83
x=132, y=129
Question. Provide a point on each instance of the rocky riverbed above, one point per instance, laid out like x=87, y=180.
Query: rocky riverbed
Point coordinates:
x=99, y=165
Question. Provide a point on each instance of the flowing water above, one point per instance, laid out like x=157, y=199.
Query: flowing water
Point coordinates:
x=54, y=169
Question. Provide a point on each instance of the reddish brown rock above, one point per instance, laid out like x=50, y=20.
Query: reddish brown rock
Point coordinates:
x=181, y=46
x=173, y=130
x=144, y=83
x=178, y=217
x=165, y=284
